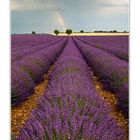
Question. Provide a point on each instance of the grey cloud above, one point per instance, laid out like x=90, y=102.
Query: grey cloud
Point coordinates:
x=32, y=5
x=113, y=3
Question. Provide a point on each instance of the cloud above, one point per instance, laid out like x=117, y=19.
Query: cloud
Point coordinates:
x=114, y=3
x=112, y=11
x=112, y=7
x=31, y=5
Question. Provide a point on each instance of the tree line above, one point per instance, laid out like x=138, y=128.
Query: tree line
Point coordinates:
x=69, y=31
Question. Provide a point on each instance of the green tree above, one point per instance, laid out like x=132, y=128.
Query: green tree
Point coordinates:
x=81, y=31
x=68, y=31
x=33, y=32
x=115, y=31
x=56, y=32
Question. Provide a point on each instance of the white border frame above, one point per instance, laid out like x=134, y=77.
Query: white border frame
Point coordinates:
x=134, y=70
x=4, y=71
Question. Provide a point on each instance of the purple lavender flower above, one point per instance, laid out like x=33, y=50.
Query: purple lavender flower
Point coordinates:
x=70, y=107
x=112, y=72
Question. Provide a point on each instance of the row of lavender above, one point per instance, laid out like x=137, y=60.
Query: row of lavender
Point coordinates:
x=28, y=70
x=113, y=41
x=112, y=72
x=28, y=39
x=115, y=45
x=70, y=108
x=34, y=44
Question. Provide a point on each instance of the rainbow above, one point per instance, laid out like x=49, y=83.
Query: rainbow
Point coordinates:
x=58, y=15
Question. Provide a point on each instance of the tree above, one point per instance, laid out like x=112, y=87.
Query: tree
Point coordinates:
x=33, y=32
x=81, y=31
x=56, y=32
x=68, y=31
x=115, y=31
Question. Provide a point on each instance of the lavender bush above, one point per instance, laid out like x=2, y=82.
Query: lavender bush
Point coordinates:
x=34, y=65
x=20, y=52
x=112, y=72
x=70, y=108
x=116, y=51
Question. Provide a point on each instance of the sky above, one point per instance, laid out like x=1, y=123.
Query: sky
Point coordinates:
x=44, y=16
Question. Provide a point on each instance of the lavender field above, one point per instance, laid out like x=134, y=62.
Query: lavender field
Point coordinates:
x=69, y=87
